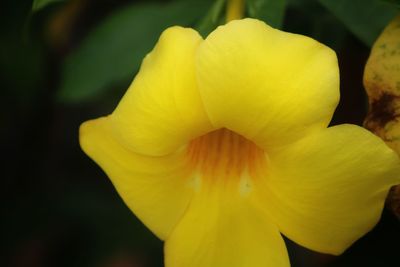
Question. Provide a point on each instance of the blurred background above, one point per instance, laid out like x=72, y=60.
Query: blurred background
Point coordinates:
x=65, y=61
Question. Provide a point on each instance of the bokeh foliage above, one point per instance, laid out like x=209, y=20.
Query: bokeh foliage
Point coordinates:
x=105, y=59
x=113, y=51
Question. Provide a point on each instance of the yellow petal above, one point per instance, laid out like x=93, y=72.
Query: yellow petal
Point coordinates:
x=270, y=86
x=327, y=190
x=156, y=189
x=162, y=109
x=223, y=230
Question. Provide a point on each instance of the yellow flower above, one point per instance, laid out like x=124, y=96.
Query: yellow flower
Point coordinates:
x=221, y=144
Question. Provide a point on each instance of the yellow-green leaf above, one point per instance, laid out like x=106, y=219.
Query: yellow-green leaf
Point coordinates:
x=382, y=83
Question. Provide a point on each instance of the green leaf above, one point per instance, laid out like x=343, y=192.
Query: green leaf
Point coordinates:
x=270, y=11
x=312, y=19
x=40, y=4
x=112, y=53
x=213, y=18
x=395, y=2
x=365, y=18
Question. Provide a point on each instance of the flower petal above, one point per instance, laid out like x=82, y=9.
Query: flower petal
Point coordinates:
x=156, y=189
x=270, y=86
x=221, y=230
x=327, y=190
x=162, y=110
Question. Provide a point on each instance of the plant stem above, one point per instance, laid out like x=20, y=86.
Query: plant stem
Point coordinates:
x=234, y=9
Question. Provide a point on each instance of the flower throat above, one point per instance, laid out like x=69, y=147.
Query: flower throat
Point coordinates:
x=224, y=153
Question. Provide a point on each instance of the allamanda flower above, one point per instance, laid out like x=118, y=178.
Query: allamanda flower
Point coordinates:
x=221, y=144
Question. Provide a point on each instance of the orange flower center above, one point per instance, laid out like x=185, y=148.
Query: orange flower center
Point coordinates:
x=223, y=153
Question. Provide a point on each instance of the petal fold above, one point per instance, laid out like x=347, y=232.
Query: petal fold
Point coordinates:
x=221, y=229
x=156, y=189
x=270, y=86
x=327, y=190
x=162, y=109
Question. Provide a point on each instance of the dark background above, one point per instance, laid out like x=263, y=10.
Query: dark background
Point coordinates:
x=58, y=207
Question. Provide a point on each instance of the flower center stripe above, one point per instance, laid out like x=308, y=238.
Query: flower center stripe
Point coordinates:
x=224, y=154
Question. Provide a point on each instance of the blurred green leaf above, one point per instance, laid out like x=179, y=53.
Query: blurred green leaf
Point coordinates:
x=112, y=53
x=395, y=2
x=310, y=18
x=365, y=18
x=212, y=19
x=270, y=11
x=39, y=4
